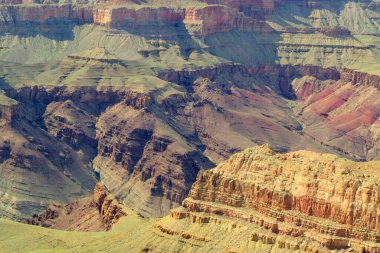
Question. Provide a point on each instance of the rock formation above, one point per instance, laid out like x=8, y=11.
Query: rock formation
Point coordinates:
x=206, y=19
x=347, y=113
x=256, y=201
x=148, y=96
x=98, y=213
x=149, y=155
x=293, y=200
x=145, y=95
x=8, y=109
x=109, y=208
x=360, y=78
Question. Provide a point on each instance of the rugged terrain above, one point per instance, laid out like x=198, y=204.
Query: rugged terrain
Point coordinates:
x=147, y=96
x=96, y=213
x=129, y=92
x=256, y=201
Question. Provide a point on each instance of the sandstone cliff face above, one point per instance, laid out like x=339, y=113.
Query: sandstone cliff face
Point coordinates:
x=244, y=3
x=118, y=16
x=109, y=208
x=300, y=198
x=44, y=13
x=360, y=78
x=212, y=19
x=200, y=21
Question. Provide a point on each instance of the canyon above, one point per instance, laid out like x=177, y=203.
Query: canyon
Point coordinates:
x=149, y=155
x=256, y=201
x=145, y=102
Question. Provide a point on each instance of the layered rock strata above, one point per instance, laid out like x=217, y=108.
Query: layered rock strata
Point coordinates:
x=345, y=112
x=150, y=154
x=294, y=199
x=360, y=78
x=98, y=213
x=109, y=208
x=199, y=19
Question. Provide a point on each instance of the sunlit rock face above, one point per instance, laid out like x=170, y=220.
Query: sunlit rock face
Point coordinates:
x=160, y=99
x=144, y=95
x=297, y=201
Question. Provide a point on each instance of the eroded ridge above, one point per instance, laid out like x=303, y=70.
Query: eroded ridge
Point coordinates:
x=298, y=200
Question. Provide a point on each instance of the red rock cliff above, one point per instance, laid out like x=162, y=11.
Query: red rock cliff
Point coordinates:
x=206, y=20
x=319, y=197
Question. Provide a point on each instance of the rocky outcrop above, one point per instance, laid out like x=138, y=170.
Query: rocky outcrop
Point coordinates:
x=115, y=17
x=44, y=13
x=360, y=78
x=9, y=113
x=109, y=208
x=9, y=109
x=98, y=213
x=294, y=199
x=133, y=157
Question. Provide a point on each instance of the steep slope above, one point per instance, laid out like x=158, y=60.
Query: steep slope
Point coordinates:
x=341, y=114
x=295, y=201
x=151, y=154
x=145, y=94
x=256, y=201
x=148, y=139
x=97, y=213
x=35, y=171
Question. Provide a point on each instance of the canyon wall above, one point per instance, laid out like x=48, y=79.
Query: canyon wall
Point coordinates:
x=256, y=201
x=44, y=13
x=299, y=198
x=9, y=113
x=115, y=17
x=151, y=153
x=240, y=70
x=200, y=21
x=360, y=78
